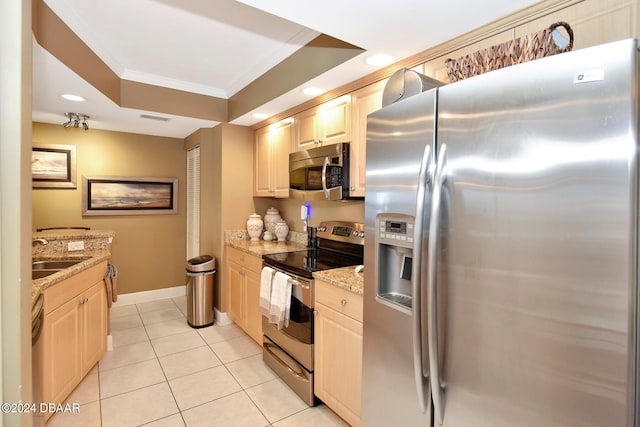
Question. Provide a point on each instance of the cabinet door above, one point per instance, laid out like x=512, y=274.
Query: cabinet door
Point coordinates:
x=338, y=358
x=364, y=101
x=235, y=280
x=61, y=352
x=280, y=146
x=335, y=121
x=94, y=325
x=306, y=130
x=252, y=305
x=262, y=167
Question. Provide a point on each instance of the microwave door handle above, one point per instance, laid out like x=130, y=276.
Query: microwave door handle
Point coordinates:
x=324, y=177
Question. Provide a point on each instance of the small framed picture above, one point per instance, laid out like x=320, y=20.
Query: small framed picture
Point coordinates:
x=53, y=166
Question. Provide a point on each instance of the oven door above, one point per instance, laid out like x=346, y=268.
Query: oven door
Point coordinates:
x=297, y=338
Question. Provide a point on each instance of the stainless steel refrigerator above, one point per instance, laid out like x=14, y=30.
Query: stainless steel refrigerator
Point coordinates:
x=501, y=259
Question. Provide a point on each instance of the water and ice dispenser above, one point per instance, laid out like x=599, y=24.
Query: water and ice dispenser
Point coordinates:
x=394, y=252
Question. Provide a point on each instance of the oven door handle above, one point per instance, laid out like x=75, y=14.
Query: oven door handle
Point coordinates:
x=295, y=282
x=268, y=348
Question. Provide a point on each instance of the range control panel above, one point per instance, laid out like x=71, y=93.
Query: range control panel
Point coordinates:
x=349, y=232
x=396, y=230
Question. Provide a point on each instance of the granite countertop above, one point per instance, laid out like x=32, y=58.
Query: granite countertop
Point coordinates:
x=97, y=245
x=39, y=285
x=345, y=277
x=262, y=247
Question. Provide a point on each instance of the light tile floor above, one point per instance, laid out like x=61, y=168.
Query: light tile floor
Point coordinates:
x=162, y=372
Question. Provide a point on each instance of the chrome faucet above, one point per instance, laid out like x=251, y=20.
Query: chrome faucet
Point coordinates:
x=39, y=241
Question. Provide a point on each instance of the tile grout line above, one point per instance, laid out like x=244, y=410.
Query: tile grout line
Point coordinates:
x=210, y=346
x=162, y=369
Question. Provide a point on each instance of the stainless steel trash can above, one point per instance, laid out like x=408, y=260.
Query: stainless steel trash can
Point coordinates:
x=200, y=271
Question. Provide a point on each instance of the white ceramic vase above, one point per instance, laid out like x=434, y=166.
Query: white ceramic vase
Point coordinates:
x=270, y=219
x=254, y=226
x=282, y=230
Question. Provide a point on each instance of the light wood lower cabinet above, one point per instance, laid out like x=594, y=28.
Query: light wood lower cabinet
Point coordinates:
x=74, y=333
x=243, y=278
x=338, y=350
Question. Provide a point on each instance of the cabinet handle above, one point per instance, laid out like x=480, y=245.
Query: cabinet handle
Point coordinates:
x=84, y=301
x=343, y=302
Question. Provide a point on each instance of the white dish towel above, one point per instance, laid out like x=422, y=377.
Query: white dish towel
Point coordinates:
x=266, y=277
x=280, y=300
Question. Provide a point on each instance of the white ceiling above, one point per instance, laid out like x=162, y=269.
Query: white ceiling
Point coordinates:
x=217, y=47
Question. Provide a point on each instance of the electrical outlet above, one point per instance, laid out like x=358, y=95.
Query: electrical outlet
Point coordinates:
x=75, y=246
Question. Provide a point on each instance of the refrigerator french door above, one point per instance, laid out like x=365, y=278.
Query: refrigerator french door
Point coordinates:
x=527, y=260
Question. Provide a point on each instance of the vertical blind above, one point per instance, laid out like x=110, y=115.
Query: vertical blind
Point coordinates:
x=193, y=202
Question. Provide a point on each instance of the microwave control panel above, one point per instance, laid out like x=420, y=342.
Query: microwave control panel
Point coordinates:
x=395, y=230
x=334, y=176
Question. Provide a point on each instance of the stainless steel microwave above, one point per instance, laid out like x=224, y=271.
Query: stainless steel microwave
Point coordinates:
x=320, y=173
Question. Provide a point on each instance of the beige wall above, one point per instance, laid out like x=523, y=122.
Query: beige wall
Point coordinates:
x=149, y=250
x=320, y=211
x=226, y=153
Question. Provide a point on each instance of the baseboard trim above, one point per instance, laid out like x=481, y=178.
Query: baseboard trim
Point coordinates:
x=153, y=295
x=221, y=318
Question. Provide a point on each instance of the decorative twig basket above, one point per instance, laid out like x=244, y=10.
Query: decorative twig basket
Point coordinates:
x=522, y=49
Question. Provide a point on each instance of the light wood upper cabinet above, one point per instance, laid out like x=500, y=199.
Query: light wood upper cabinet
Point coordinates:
x=326, y=124
x=363, y=102
x=271, y=160
x=335, y=120
x=307, y=130
x=338, y=350
x=243, y=278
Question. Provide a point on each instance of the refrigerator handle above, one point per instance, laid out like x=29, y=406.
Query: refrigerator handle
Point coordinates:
x=421, y=373
x=437, y=386
x=324, y=177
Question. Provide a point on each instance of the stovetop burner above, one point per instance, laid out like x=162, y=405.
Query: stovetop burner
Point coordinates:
x=340, y=244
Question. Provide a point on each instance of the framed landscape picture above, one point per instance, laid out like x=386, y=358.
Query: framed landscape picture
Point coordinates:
x=115, y=195
x=53, y=166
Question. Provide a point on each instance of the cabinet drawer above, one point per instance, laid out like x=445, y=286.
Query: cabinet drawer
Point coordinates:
x=60, y=293
x=248, y=261
x=339, y=299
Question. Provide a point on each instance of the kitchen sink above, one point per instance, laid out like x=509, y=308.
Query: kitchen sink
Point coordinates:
x=54, y=264
x=39, y=274
x=44, y=268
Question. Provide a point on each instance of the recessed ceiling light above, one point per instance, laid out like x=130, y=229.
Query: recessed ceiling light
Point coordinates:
x=71, y=97
x=312, y=91
x=260, y=116
x=379, y=60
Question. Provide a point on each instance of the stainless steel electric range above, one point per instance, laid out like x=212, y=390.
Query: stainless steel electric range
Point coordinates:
x=289, y=351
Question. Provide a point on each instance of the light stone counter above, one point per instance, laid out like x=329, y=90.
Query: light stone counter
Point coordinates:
x=261, y=247
x=97, y=248
x=240, y=240
x=345, y=277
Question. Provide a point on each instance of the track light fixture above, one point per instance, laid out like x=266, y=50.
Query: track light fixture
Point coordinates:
x=76, y=120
